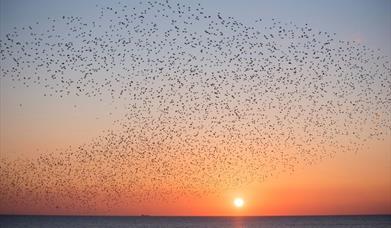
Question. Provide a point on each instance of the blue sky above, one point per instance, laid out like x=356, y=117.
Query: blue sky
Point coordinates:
x=364, y=20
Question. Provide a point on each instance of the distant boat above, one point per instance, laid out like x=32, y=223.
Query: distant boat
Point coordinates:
x=142, y=215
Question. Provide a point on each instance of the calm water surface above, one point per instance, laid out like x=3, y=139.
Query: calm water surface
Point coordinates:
x=264, y=222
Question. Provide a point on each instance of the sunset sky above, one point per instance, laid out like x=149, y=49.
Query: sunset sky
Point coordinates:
x=342, y=182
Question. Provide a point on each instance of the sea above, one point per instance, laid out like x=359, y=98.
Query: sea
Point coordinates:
x=372, y=221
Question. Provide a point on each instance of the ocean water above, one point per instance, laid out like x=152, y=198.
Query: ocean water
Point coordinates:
x=152, y=221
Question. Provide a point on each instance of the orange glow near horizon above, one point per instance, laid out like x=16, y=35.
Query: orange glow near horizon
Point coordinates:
x=322, y=189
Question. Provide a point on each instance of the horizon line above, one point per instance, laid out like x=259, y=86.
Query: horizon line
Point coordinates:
x=151, y=215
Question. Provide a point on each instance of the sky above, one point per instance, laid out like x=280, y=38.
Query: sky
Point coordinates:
x=347, y=182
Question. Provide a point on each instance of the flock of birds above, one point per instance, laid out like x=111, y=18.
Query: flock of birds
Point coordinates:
x=211, y=103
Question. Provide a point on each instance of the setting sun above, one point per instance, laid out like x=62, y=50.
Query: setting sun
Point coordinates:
x=238, y=202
